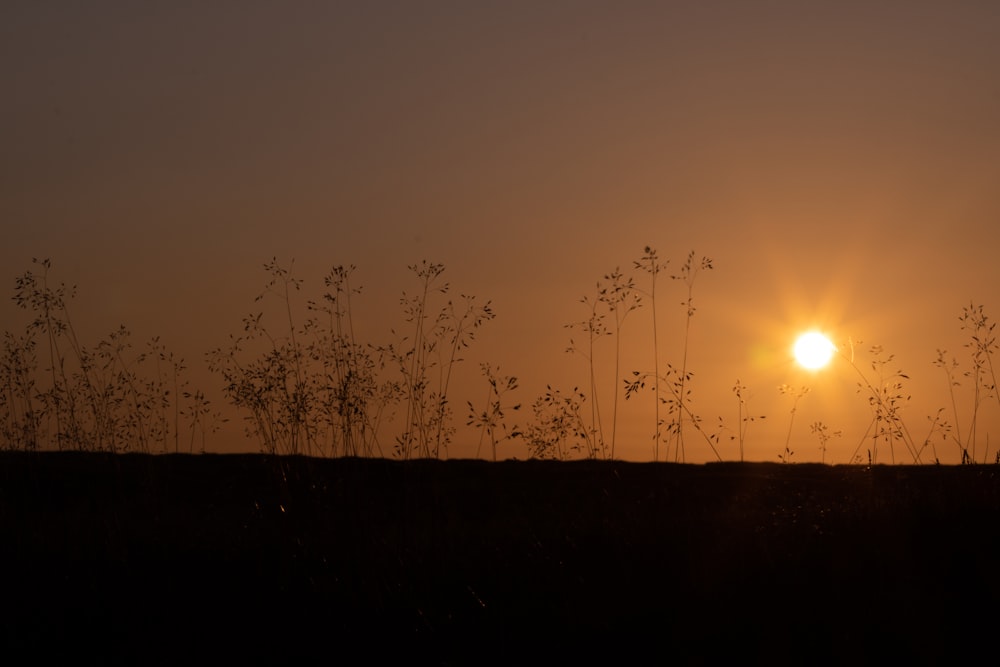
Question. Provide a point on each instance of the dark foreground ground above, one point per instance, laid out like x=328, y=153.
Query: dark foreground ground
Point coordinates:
x=180, y=559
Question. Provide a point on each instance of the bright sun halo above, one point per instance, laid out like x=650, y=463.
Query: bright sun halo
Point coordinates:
x=813, y=350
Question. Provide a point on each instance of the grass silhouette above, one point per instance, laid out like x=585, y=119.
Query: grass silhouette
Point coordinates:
x=304, y=383
x=106, y=397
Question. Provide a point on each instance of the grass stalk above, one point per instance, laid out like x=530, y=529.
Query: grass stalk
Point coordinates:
x=688, y=272
x=594, y=327
x=796, y=395
x=650, y=263
x=618, y=294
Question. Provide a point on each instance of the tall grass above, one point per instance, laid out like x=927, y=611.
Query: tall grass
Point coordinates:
x=427, y=357
x=689, y=271
x=981, y=345
x=345, y=373
x=743, y=417
x=310, y=387
x=594, y=327
x=650, y=263
x=491, y=419
x=618, y=294
x=305, y=382
x=272, y=386
x=824, y=435
x=887, y=399
x=21, y=428
x=675, y=378
x=796, y=395
x=314, y=388
x=559, y=429
x=106, y=397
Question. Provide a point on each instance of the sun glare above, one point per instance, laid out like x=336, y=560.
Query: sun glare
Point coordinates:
x=813, y=350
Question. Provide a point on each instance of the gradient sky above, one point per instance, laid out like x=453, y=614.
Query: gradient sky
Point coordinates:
x=837, y=161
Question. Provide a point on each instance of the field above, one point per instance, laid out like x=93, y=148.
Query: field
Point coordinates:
x=139, y=558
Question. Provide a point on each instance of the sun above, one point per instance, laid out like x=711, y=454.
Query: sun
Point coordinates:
x=813, y=350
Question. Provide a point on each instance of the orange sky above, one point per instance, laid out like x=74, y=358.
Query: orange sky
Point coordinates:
x=836, y=160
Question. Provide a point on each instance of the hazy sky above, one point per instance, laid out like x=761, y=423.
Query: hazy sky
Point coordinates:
x=836, y=160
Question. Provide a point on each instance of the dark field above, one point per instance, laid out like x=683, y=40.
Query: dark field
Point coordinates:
x=172, y=559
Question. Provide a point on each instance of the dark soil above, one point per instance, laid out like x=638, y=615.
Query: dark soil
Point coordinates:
x=172, y=559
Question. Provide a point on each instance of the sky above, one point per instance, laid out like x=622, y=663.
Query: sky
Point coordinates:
x=835, y=160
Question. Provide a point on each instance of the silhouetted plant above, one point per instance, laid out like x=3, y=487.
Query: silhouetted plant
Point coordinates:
x=886, y=399
x=675, y=379
x=796, y=395
x=950, y=367
x=103, y=398
x=48, y=304
x=272, y=385
x=133, y=411
x=195, y=416
x=559, y=430
x=201, y=418
x=350, y=397
x=310, y=389
x=938, y=426
x=638, y=383
x=651, y=264
x=414, y=362
x=22, y=414
x=982, y=343
x=594, y=327
x=824, y=434
x=744, y=418
x=618, y=294
x=435, y=344
x=688, y=273
x=490, y=420
x=458, y=324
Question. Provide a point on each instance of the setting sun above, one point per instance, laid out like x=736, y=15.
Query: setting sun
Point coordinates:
x=813, y=350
